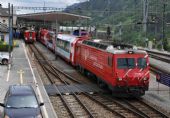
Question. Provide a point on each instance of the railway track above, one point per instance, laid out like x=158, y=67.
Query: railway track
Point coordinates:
x=147, y=110
x=85, y=105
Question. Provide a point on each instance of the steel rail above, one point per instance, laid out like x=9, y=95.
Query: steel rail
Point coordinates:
x=154, y=109
x=63, y=99
x=150, y=107
x=121, y=105
x=105, y=106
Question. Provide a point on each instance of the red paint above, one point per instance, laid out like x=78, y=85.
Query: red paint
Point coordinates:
x=30, y=36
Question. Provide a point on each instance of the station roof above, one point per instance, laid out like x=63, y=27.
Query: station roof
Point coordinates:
x=53, y=16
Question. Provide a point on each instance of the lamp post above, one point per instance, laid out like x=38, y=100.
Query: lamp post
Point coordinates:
x=10, y=29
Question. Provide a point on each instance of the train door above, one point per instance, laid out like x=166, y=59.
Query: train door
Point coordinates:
x=72, y=50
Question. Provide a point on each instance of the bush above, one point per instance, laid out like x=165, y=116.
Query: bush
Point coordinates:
x=4, y=48
x=168, y=48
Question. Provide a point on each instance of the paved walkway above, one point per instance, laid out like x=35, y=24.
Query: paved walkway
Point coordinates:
x=30, y=76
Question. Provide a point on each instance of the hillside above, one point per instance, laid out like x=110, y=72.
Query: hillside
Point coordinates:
x=125, y=17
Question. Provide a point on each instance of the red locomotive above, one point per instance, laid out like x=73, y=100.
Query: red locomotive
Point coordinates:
x=30, y=36
x=50, y=43
x=122, y=70
x=42, y=36
x=47, y=38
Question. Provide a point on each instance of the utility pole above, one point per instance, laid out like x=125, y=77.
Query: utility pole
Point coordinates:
x=44, y=10
x=108, y=32
x=12, y=20
x=10, y=29
x=145, y=18
x=135, y=8
x=145, y=14
x=164, y=40
x=120, y=31
x=108, y=6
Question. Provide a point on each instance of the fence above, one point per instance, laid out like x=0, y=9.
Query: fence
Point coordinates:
x=163, y=79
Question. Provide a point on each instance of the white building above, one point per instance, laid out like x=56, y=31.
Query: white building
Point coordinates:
x=4, y=34
x=4, y=16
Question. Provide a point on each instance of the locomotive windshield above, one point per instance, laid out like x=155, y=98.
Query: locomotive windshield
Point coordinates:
x=30, y=34
x=126, y=63
x=142, y=63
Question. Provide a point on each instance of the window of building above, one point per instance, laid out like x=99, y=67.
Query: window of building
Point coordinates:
x=2, y=38
x=4, y=21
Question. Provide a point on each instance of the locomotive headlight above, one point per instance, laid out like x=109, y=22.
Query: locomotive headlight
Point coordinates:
x=119, y=79
x=145, y=79
x=6, y=116
x=39, y=116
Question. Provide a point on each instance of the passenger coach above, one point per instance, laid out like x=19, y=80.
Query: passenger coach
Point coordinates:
x=66, y=45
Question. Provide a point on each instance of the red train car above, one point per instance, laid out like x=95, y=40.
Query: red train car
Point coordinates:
x=42, y=36
x=50, y=42
x=122, y=70
x=30, y=36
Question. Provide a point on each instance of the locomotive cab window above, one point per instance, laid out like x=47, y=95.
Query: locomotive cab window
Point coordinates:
x=142, y=63
x=123, y=63
x=30, y=34
x=50, y=41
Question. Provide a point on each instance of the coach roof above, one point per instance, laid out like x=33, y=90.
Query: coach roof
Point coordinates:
x=66, y=37
x=111, y=47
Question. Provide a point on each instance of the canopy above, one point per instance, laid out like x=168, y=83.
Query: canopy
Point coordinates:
x=53, y=16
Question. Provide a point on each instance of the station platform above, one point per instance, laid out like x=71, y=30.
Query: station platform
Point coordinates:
x=159, y=94
x=21, y=63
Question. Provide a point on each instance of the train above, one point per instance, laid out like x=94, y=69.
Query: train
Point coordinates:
x=121, y=68
x=47, y=38
x=29, y=36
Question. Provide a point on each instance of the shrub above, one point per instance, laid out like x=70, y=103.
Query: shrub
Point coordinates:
x=5, y=48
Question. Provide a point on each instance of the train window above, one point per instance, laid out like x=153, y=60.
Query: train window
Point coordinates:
x=30, y=34
x=85, y=42
x=110, y=61
x=103, y=47
x=67, y=46
x=142, y=63
x=89, y=43
x=2, y=38
x=96, y=45
x=123, y=63
x=50, y=41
